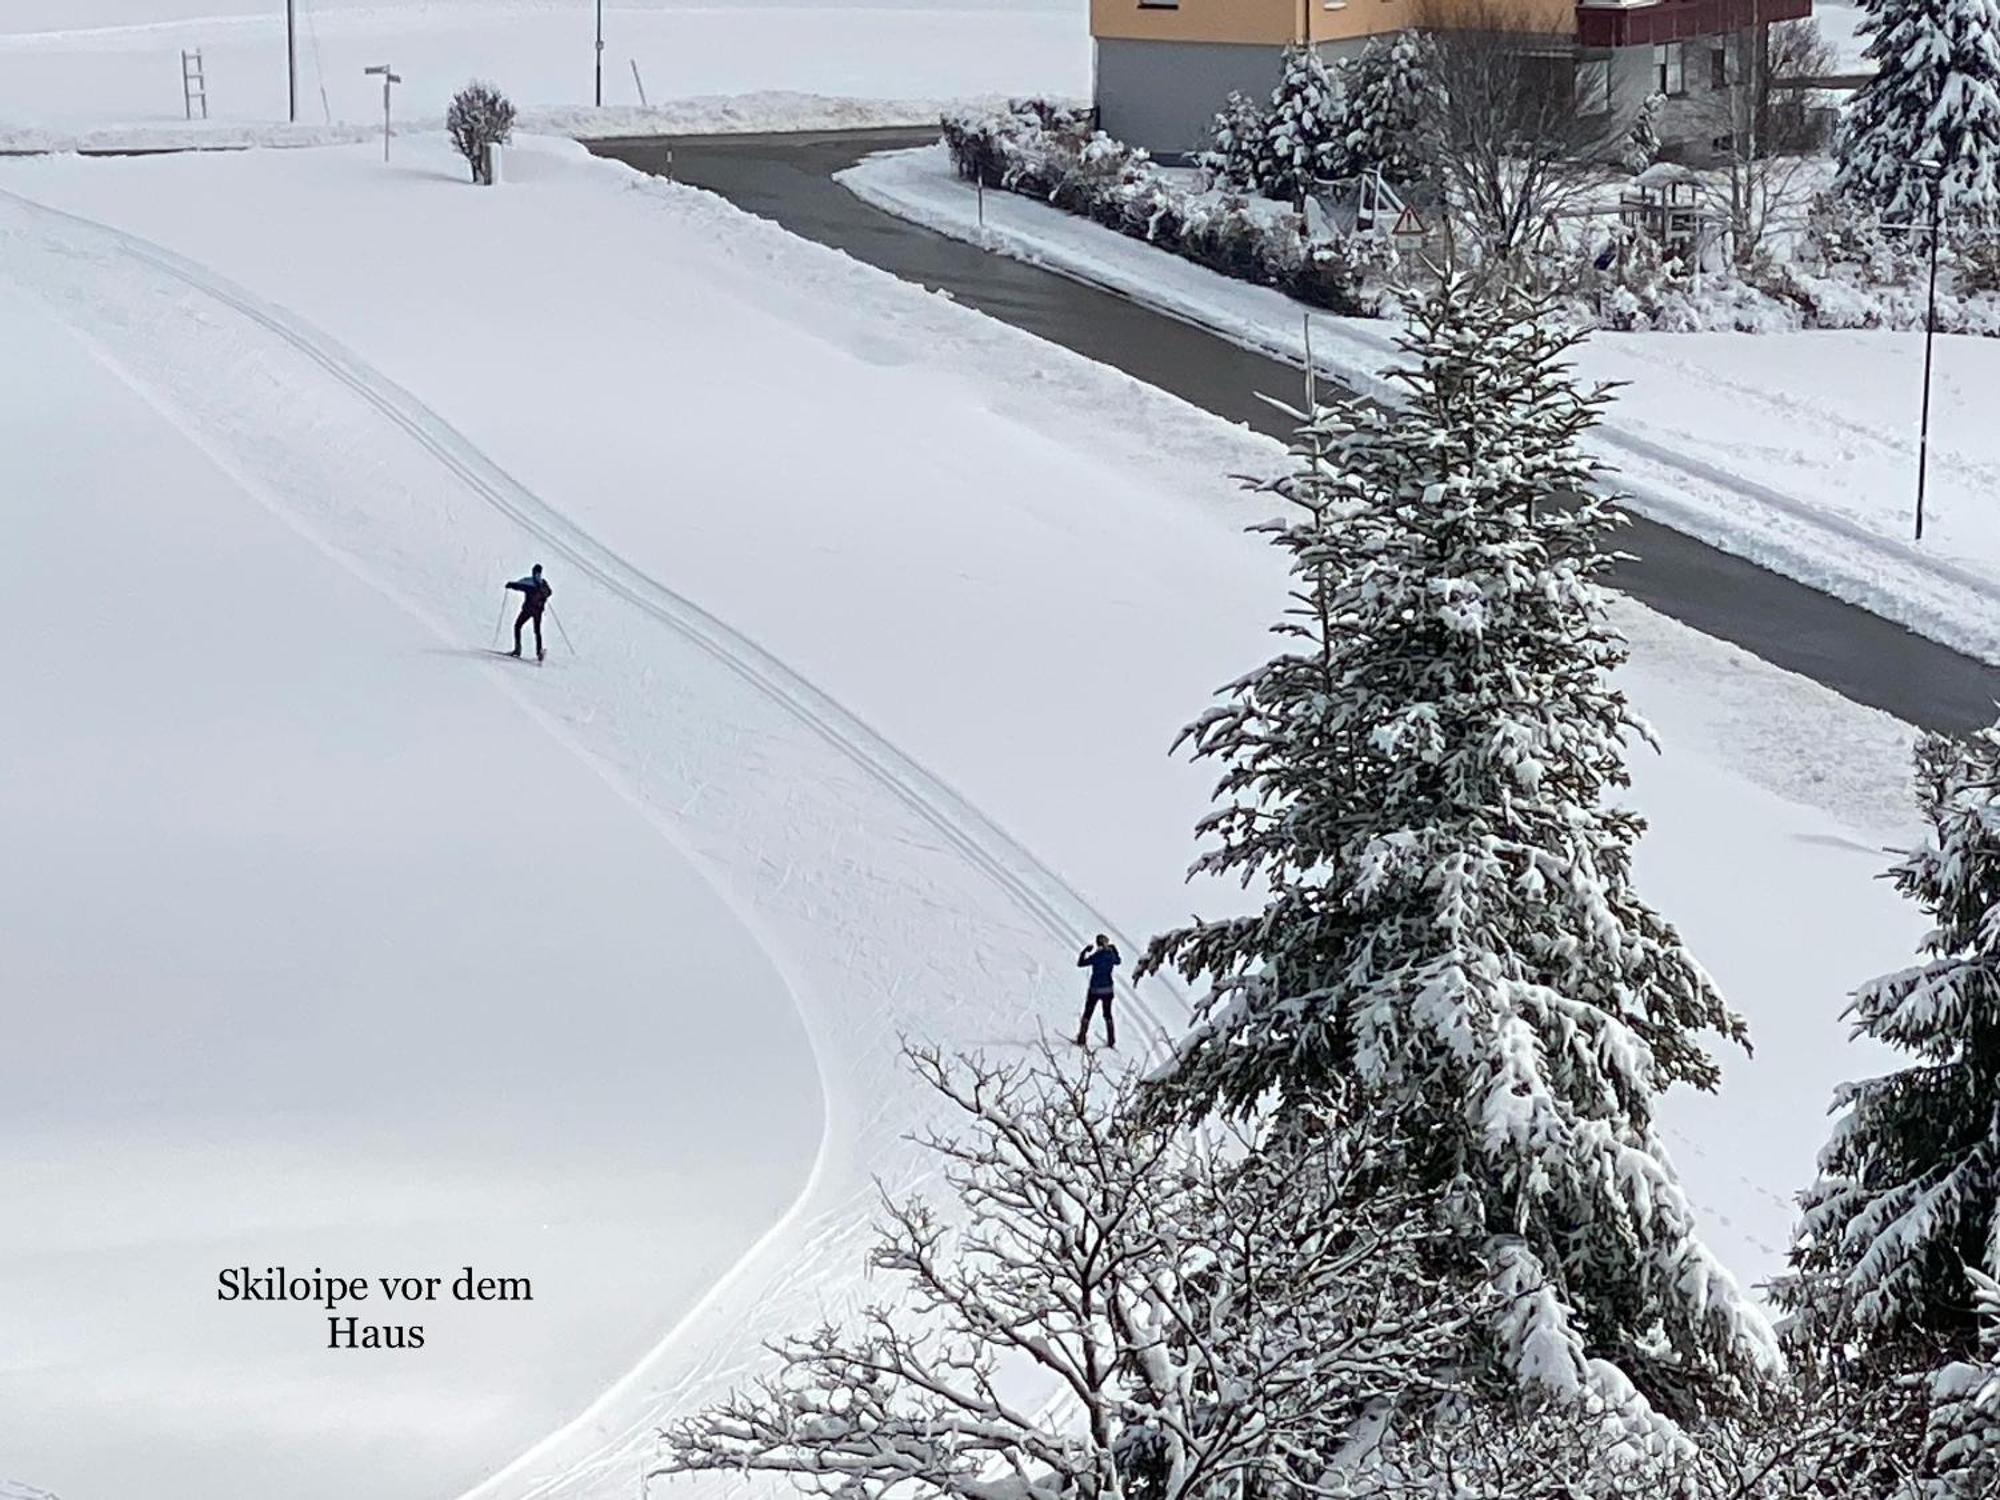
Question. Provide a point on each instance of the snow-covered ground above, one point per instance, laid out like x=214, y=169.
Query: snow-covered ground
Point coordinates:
x=106, y=73
x=886, y=612
x=1798, y=451
x=321, y=952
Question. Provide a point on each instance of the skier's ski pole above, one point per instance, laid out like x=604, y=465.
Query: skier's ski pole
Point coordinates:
x=501, y=623
x=559, y=629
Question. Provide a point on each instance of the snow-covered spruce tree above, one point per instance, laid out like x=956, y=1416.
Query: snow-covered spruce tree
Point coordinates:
x=1962, y=1447
x=1905, y=1216
x=1218, y=1321
x=1299, y=143
x=1379, y=115
x=1236, y=150
x=480, y=118
x=1451, y=938
x=1935, y=97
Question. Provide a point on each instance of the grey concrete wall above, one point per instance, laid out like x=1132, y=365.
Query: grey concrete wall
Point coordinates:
x=1163, y=95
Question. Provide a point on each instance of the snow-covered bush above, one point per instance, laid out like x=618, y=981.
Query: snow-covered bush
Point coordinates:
x=1642, y=141
x=1929, y=115
x=1300, y=143
x=1378, y=118
x=1452, y=939
x=1219, y=1321
x=1235, y=154
x=1055, y=155
x=480, y=118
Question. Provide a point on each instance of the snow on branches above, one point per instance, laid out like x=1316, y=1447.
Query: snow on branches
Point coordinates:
x=1899, y=1243
x=480, y=118
x=1451, y=938
x=1216, y=1321
x=1930, y=113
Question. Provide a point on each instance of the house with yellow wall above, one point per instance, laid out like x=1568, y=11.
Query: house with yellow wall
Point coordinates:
x=1165, y=67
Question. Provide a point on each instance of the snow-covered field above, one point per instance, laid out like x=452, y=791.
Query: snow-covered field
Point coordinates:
x=1798, y=450
x=885, y=614
x=108, y=72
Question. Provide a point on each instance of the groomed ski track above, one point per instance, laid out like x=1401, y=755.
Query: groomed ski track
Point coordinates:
x=890, y=904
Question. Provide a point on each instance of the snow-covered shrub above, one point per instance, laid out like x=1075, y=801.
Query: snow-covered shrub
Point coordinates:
x=1642, y=141
x=1219, y=1320
x=1422, y=780
x=1378, y=120
x=1235, y=154
x=1300, y=143
x=1056, y=156
x=480, y=118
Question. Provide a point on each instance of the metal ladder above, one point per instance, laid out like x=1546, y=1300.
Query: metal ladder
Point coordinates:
x=194, y=86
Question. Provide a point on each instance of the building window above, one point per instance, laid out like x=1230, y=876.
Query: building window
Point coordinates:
x=1718, y=68
x=1670, y=69
x=1593, y=86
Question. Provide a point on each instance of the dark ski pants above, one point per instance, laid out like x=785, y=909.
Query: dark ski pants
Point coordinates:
x=523, y=618
x=1090, y=1003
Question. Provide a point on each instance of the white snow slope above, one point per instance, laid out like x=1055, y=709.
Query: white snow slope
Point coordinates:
x=107, y=73
x=813, y=531
x=1795, y=450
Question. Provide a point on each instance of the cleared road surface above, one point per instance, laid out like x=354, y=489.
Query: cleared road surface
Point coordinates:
x=789, y=178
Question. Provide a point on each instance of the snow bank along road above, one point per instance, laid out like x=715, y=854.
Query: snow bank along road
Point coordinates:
x=1020, y=567
x=1857, y=653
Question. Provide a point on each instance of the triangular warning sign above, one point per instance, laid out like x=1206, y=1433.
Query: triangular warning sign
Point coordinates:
x=1408, y=224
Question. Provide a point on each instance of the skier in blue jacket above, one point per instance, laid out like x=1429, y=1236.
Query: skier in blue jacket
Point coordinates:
x=1100, y=958
x=535, y=591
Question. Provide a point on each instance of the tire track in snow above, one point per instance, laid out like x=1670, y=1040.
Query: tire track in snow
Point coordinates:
x=594, y=1452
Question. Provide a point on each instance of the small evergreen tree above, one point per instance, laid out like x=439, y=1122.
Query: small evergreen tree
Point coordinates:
x=1378, y=119
x=1451, y=937
x=480, y=118
x=1900, y=1236
x=1237, y=148
x=1299, y=143
x=1935, y=97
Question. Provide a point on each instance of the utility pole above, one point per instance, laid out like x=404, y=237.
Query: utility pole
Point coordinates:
x=292, y=58
x=600, y=54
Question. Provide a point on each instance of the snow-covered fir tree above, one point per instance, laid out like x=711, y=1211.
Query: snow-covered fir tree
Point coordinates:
x=1935, y=98
x=1962, y=1447
x=1900, y=1236
x=1378, y=121
x=1236, y=147
x=1299, y=142
x=1451, y=939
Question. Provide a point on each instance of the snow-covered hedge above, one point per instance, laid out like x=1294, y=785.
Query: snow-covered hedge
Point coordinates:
x=1049, y=152
x=1841, y=281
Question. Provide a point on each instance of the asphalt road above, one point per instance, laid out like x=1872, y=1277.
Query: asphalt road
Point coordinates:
x=788, y=178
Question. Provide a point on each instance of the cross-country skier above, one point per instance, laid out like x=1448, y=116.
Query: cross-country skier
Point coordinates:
x=535, y=593
x=1100, y=958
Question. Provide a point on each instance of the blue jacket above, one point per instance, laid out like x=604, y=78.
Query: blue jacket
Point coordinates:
x=1100, y=962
